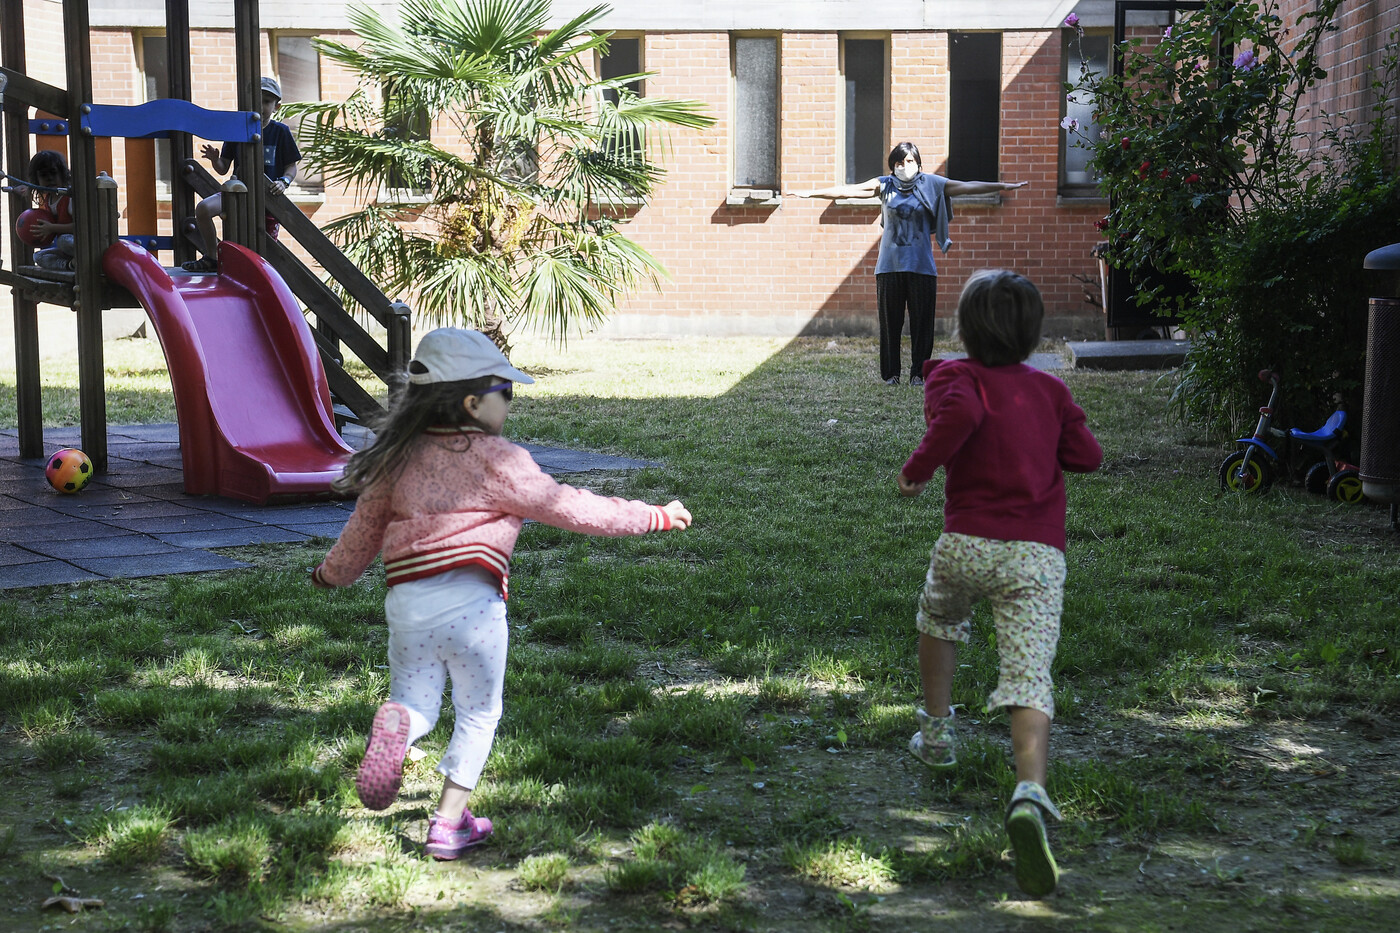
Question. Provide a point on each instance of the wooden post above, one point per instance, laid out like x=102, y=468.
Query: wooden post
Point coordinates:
x=141, y=186
x=106, y=226
x=234, y=198
x=177, y=57
x=247, y=41
x=88, y=300
x=26, y=312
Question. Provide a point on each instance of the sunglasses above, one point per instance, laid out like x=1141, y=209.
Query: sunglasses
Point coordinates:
x=507, y=389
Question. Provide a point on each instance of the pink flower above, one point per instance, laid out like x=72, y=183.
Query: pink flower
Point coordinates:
x=1072, y=20
x=1246, y=60
x=1069, y=123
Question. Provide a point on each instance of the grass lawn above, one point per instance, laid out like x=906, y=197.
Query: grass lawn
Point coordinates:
x=706, y=729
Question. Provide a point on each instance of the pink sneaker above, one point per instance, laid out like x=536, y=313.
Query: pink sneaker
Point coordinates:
x=381, y=770
x=447, y=840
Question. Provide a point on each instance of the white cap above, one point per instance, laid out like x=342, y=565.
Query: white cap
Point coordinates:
x=452, y=354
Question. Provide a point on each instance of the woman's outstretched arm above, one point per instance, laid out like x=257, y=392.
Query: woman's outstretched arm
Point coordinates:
x=865, y=189
x=956, y=188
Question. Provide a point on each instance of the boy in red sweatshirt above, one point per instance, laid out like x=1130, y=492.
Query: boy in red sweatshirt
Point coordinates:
x=1004, y=433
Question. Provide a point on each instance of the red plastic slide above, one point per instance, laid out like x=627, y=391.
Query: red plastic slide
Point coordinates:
x=250, y=392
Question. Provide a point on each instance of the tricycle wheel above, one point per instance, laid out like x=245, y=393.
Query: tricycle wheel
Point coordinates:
x=1253, y=477
x=1345, y=487
x=1316, y=480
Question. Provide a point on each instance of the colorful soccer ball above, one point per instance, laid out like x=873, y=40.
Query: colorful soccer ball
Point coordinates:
x=24, y=226
x=69, y=470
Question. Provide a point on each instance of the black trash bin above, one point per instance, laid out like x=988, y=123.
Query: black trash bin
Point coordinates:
x=1380, y=424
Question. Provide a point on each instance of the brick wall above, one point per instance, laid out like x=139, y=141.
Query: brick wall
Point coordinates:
x=809, y=264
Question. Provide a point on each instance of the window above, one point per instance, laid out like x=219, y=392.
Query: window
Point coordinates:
x=755, y=60
x=867, y=133
x=299, y=73
x=974, y=105
x=155, y=75
x=622, y=58
x=403, y=120
x=1088, y=55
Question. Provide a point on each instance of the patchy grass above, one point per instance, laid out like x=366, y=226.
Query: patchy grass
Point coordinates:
x=707, y=728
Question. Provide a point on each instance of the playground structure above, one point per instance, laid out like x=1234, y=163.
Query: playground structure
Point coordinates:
x=259, y=393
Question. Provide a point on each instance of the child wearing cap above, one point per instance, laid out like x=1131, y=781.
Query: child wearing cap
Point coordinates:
x=280, y=158
x=442, y=497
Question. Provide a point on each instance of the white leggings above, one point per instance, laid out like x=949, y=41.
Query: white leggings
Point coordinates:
x=450, y=625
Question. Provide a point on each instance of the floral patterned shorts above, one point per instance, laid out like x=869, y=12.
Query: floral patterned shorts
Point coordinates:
x=1025, y=583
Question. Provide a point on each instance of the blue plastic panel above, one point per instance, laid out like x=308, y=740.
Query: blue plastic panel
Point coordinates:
x=157, y=119
x=150, y=243
x=49, y=126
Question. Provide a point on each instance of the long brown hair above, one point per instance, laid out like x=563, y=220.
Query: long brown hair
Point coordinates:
x=412, y=409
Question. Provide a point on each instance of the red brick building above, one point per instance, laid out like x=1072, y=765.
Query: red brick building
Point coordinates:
x=805, y=95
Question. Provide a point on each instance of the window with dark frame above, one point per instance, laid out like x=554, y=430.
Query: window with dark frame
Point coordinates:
x=623, y=57
x=1077, y=178
x=410, y=123
x=867, y=132
x=299, y=73
x=155, y=81
x=974, y=105
x=755, y=60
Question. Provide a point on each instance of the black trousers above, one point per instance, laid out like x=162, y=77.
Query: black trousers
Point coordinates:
x=893, y=292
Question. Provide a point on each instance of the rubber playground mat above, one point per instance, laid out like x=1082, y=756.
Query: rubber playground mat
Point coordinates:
x=135, y=520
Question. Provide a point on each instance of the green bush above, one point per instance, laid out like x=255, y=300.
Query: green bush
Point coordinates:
x=1286, y=292
x=1214, y=177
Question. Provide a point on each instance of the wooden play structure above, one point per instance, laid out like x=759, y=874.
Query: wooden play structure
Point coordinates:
x=231, y=380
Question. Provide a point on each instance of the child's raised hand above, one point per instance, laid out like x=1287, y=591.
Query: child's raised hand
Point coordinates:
x=907, y=488
x=680, y=515
x=210, y=152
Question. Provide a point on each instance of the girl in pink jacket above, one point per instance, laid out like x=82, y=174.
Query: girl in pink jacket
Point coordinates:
x=442, y=497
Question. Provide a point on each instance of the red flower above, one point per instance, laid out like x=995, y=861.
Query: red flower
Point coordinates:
x=1126, y=142
x=1164, y=173
x=1192, y=178
x=1142, y=169
x=1101, y=223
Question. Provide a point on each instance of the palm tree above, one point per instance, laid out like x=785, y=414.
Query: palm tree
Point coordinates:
x=507, y=214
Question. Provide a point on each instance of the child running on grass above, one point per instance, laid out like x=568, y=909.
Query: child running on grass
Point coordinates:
x=442, y=495
x=1004, y=432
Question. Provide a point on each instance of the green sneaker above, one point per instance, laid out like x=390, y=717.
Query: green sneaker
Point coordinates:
x=1036, y=871
x=934, y=744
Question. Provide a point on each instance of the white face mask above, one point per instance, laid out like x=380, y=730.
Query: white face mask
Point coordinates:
x=906, y=172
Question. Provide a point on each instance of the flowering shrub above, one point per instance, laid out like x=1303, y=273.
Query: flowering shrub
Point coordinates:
x=1210, y=176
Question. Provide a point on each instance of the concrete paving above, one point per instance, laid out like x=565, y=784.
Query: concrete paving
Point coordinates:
x=1129, y=354
x=135, y=520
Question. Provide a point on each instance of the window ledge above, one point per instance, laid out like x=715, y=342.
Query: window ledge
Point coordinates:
x=403, y=196
x=857, y=202
x=976, y=200
x=753, y=197
x=306, y=195
x=1080, y=200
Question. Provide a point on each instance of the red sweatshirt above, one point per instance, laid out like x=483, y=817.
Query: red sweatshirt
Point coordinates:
x=1004, y=434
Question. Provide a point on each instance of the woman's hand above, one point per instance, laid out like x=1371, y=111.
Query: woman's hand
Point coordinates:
x=910, y=489
x=1009, y=185
x=679, y=515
